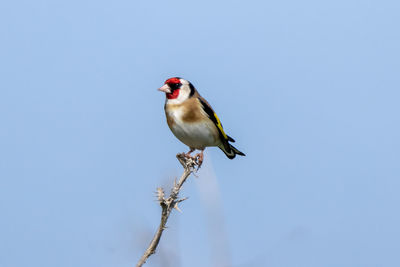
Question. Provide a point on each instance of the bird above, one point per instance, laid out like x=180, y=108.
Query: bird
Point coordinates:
x=193, y=121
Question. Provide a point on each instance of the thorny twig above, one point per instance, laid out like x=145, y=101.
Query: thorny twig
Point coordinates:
x=167, y=204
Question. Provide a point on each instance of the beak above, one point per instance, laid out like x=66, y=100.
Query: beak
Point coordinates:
x=165, y=88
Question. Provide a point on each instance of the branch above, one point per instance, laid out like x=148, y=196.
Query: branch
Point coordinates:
x=167, y=204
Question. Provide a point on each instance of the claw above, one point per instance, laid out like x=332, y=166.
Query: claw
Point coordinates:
x=199, y=159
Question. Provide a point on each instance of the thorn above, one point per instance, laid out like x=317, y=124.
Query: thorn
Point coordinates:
x=177, y=208
x=160, y=194
x=182, y=199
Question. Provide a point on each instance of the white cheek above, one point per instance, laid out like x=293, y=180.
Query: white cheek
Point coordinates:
x=183, y=95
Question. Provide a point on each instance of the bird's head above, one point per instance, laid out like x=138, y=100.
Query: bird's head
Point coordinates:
x=177, y=90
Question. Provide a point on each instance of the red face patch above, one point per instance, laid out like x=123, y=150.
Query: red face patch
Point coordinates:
x=172, y=80
x=173, y=95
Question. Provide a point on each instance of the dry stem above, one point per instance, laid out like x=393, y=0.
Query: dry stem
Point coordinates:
x=167, y=204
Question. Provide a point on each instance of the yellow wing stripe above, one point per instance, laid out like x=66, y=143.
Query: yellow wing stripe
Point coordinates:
x=219, y=125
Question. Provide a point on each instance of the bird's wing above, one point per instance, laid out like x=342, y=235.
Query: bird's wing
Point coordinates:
x=214, y=118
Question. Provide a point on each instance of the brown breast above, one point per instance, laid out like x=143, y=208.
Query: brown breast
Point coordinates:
x=191, y=111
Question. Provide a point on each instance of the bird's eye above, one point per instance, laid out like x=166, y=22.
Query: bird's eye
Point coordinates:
x=175, y=86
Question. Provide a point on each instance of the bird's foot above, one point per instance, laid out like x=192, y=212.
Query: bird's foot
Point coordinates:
x=188, y=154
x=199, y=159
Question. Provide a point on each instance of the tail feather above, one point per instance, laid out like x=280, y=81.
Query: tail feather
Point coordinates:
x=230, y=139
x=230, y=151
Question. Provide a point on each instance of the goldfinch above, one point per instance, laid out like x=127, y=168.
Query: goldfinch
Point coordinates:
x=193, y=121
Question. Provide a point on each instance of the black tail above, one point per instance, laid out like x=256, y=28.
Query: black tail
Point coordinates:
x=230, y=151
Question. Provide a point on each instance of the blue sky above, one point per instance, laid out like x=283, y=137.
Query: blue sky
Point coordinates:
x=309, y=90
